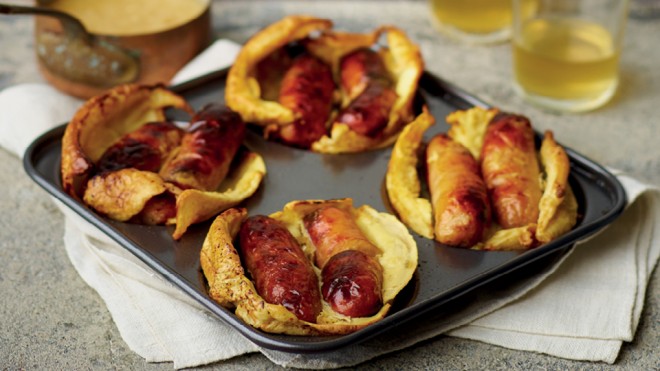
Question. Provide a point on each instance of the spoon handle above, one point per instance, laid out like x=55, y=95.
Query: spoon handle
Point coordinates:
x=72, y=25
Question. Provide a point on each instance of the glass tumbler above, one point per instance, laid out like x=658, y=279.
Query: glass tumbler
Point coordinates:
x=473, y=21
x=566, y=52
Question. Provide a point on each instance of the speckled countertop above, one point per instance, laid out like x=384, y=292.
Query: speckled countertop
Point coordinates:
x=50, y=319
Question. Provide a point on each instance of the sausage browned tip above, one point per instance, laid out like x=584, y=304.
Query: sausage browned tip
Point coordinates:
x=511, y=171
x=307, y=88
x=158, y=210
x=458, y=193
x=352, y=284
x=144, y=149
x=333, y=230
x=207, y=150
x=368, y=86
x=351, y=275
x=278, y=266
x=369, y=113
x=360, y=67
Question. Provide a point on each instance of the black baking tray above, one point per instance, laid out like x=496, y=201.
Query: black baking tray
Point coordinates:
x=443, y=274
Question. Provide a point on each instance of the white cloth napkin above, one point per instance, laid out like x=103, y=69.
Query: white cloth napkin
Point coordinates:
x=583, y=307
x=592, y=303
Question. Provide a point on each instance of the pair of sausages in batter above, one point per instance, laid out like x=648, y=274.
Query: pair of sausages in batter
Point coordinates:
x=308, y=87
x=198, y=158
x=463, y=190
x=351, y=277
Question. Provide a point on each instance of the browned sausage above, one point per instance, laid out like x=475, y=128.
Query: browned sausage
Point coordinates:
x=511, y=171
x=334, y=230
x=351, y=276
x=281, y=272
x=458, y=193
x=307, y=89
x=366, y=81
x=359, y=68
x=144, y=149
x=158, y=210
x=369, y=113
x=352, y=284
x=207, y=150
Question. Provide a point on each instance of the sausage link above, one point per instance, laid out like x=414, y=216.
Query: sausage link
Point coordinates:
x=369, y=113
x=367, y=84
x=281, y=272
x=351, y=275
x=158, y=210
x=307, y=89
x=458, y=193
x=511, y=171
x=333, y=230
x=352, y=284
x=360, y=67
x=145, y=148
x=207, y=150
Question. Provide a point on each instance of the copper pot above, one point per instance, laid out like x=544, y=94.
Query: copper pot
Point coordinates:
x=74, y=65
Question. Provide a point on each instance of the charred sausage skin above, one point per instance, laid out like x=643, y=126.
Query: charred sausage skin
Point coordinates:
x=351, y=275
x=144, y=149
x=352, y=283
x=278, y=266
x=366, y=82
x=307, y=88
x=369, y=113
x=207, y=149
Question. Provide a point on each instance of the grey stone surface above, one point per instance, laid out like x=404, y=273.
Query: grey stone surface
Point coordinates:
x=50, y=319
